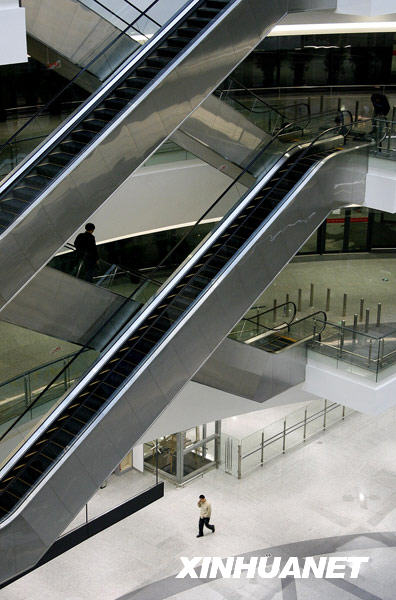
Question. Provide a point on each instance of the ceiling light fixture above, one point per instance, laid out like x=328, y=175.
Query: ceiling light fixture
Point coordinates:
x=318, y=28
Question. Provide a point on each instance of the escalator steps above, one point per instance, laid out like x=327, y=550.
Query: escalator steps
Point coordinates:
x=30, y=187
x=90, y=401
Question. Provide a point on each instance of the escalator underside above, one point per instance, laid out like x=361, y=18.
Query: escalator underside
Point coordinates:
x=106, y=413
x=89, y=402
x=59, y=186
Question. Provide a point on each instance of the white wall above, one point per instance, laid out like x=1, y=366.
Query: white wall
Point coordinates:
x=161, y=197
x=368, y=8
x=12, y=33
x=176, y=194
x=351, y=388
x=381, y=185
x=197, y=404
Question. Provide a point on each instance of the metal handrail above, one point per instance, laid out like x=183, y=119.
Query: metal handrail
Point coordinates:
x=292, y=428
x=255, y=319
x=117, y=311
x=159, y=266
x=40, y=367
x=243, y=87
x=142, y=13
x=364, y=333
x=83, y=70
x=136, y=273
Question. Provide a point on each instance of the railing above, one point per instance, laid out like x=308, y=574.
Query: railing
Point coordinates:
x=241, y=456
x=322, y=98
x=266, y=157
x=122, y=46
x=352, y=347
x=264, y=321
x=21, y=392
x=278, y=323
x=266, y=116
x=114, y=277
x=384, y=133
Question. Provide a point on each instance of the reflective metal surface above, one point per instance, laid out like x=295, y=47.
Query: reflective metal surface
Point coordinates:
x=249, y=372
x=224, y=130
x=126, y=144
x=87, y=32
x=62, y=306
x=27, y=532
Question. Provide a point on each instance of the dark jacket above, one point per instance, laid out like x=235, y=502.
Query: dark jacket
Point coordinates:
x=86, y=247
x=380, y=103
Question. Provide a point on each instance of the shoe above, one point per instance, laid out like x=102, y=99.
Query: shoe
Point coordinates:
x=213, y=530
x=199, y=535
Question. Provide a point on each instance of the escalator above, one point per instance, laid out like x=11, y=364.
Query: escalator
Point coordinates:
x=62, y=462
x=72, y=172
x=287, y=336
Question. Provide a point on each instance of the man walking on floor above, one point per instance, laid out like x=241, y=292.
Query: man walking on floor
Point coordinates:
x=205, y=510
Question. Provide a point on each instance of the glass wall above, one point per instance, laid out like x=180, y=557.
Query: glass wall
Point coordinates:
x=320, y=60
x=356, y=229
x=184, y=455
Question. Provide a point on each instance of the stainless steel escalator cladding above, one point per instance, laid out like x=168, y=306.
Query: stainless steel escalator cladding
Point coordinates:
x=103, y=163
x=152, y=362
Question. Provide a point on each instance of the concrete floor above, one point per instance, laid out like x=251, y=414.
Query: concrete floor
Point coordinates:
x=364, y=276
x=368, y=277
x=333, y=496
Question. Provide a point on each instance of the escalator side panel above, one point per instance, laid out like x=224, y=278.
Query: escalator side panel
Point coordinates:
x=134, y=407
x=52, y=304
x=133, y=136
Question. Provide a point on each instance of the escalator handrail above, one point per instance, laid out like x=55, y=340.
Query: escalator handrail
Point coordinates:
x=234, y=182
x=308, y=147
x=273, y=309
x=95, y=98
x=269, y=106
x=142, y=12
x=186, y=265
x=157, y=269
x=129, y=270
x=312, y=316
x=159, y=266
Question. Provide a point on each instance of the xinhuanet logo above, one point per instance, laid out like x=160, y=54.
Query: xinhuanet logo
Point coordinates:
x=325, y=567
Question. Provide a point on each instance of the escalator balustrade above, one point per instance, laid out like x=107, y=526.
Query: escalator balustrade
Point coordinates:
x=61, y=433
x=30, y=185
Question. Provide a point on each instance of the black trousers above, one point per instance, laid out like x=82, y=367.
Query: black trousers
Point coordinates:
x=202, y=522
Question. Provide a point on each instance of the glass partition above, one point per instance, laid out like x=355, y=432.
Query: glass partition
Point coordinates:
x=183, y=250
x=183, y=456
x=96, y=66
x=241, y=456
x=357, y=350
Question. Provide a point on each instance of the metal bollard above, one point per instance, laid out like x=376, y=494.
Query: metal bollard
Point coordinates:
x=361, y=309
x=379, y=306
x=299, y=299
x=344, y=305
x=274, y=309
x=370, y=351
x=355, y=321
x=356, y=110
x=367, y=321
x=311, y=295
x=286, y=310
x=342, y=335
x=328, y=300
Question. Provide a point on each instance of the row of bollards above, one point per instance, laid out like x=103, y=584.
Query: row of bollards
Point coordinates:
x=358, y=316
